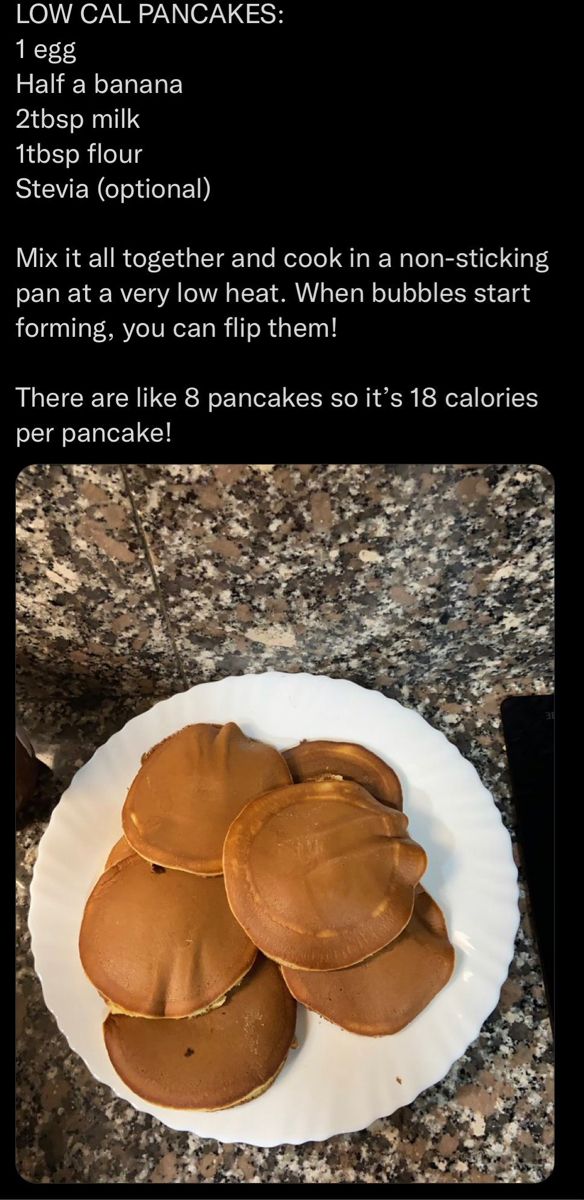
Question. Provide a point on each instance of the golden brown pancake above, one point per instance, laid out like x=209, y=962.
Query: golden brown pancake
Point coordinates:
x=161, y=943
x=223, y=1058
x=322, y=760
x=118, y=853
x=384, y=993
x=320, y=875
x=189, y=789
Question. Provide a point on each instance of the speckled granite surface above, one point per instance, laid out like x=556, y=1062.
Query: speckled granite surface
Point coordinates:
x=432, y=584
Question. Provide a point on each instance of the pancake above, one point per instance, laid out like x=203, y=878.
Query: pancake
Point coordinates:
x=320, y=875
x=345, y=760
x=160, y=943
x=121, y=850
x=188, y=791
x=229, y=1055
x=384, y=993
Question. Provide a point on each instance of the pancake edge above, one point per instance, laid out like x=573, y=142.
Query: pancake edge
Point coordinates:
x=199, y=1012
x=361, y=1032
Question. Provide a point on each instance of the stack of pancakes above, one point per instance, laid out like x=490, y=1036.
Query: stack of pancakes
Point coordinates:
x=247, y=880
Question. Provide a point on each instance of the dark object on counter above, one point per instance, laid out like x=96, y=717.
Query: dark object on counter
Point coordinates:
x=37, y=789
x=26, y=771
x=528, y=725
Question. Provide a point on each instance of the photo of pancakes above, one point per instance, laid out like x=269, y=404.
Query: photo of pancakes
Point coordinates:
x=161, y=943
x=188, y=791
x=344, y=760
x=247, y=882
x=384, y=993
x=229, y=1055
x=320, y=874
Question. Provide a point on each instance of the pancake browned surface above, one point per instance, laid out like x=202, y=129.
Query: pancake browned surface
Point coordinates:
x=321, y=760
x=384, y=993
x=118, y=853
x=229, y=1055
x=161, y=943
x=320, y=875
x=188, y=791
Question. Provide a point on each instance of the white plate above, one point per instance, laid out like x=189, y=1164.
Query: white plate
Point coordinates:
x=336, y=1082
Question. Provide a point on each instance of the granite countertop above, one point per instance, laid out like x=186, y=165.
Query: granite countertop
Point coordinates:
x=432, y=584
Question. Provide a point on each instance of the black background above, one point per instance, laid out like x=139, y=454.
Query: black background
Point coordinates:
x=348, y=125
x=366, y=125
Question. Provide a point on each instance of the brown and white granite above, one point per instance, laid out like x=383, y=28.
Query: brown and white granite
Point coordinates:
x=433, y=584
x=88, y=609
